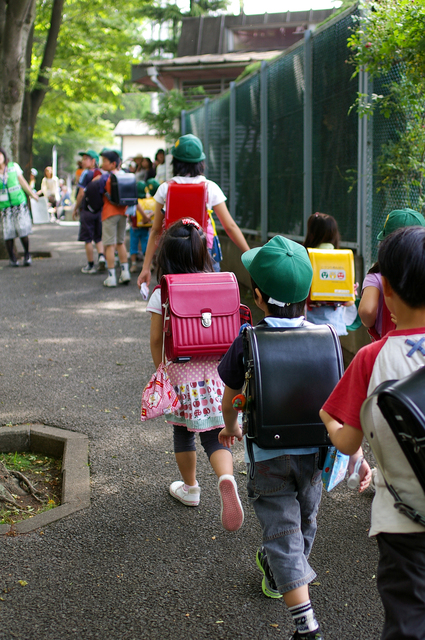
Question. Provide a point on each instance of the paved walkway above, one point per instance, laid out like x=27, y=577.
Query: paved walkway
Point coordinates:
x=137, y=565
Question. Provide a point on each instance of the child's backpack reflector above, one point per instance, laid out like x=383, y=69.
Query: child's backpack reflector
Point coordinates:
x=333, y=275
x=186, y=201
x=200, y=314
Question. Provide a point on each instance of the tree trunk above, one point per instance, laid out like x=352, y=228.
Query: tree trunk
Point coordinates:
x=16, y=19
x=16, y=22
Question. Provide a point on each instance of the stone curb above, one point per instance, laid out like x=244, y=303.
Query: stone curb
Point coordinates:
x=72, y=447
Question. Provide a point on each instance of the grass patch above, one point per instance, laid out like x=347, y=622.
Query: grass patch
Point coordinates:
x=44, y=473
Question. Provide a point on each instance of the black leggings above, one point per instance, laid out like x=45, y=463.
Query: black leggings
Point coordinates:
x=10, y=251
x=184, y=440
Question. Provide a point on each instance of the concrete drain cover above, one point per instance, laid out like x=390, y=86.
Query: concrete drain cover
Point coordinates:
x=72, y=447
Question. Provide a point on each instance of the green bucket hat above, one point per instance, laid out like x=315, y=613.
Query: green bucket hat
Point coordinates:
x=188, y=148
x=281, y=269
x=141, y=189
x=91, y=153
x=400, y=218
x=152, y=186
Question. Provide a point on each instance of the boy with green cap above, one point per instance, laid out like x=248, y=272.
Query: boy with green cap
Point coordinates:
x=286, y=486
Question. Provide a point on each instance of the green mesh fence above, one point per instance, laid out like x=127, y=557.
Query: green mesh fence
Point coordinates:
x=248, y=159
x=334, y=145
x=387, y=195
x=218, y=160
x=335, y=132
x=285, y=96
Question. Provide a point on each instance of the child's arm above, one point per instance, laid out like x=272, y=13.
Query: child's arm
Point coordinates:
x=145, y=274
x=156, y=338
x=368, y=307
x=232, y=429
x=348, y=440
x=146, y=219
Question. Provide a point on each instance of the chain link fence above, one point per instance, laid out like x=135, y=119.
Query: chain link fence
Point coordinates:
x=286, y=142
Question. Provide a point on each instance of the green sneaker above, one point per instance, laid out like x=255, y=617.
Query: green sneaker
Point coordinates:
x=268, y=584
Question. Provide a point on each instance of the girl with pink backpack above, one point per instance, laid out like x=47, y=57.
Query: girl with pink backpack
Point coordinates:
x=183, y=249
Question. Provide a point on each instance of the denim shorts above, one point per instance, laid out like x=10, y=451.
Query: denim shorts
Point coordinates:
x=285, y=493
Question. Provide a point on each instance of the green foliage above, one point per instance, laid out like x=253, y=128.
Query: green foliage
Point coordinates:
x=389, y=43
x=171, y=104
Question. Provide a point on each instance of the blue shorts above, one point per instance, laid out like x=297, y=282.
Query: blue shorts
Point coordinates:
x=138, y=234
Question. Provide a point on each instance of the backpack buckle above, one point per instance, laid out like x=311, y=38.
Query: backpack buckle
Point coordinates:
x=206, y=319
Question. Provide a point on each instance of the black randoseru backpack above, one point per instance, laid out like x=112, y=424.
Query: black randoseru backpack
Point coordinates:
x=289, y=373
x=402, y=403
x=123, y=189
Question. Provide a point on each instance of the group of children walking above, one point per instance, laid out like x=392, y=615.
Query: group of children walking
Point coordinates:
x=284, y=485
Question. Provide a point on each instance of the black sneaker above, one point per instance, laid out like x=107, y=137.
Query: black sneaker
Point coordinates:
x=312, y=635
x=27, y=261
x=268, y=584
x=13, y=263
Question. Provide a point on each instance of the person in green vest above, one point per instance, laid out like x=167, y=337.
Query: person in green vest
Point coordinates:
x=15, y=216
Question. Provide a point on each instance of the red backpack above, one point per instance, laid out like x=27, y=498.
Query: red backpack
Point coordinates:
x=186, y=201
x=200, y=312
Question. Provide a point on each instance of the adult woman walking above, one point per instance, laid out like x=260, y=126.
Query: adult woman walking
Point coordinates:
x=15, y=217
x=188, y=168
x=50, y=189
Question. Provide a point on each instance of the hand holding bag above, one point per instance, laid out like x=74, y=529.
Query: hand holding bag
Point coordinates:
x=159, y=396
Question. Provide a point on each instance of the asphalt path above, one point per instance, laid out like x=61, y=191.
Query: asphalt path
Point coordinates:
x=137, y=565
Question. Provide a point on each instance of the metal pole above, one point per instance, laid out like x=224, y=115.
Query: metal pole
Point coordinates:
x=54, y=161
x=232, y=150
x=364, y=185
x=308, y=131
x=207, y=134
x=264, y=150
x=183, y=122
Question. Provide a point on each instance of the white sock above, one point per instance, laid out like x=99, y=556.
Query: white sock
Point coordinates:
x=124, y=267
x=111, y=272
x=304, y=618
x=188, y=486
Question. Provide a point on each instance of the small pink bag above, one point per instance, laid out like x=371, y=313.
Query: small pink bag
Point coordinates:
x=158, y=396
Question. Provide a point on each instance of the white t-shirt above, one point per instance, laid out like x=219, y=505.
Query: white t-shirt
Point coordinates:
x=215, y=194
x=154, y=304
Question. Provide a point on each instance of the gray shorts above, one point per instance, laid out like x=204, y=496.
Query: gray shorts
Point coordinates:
x=16, y=222
x=113, y=230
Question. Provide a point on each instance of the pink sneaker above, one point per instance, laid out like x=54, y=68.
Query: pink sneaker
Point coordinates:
x=231, y=508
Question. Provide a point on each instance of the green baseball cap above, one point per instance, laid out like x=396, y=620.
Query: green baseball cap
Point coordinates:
x=188, y=148
x=141, y=189
x=400, y=218
x=281, y=269
x=91, y=153
x=152, y=185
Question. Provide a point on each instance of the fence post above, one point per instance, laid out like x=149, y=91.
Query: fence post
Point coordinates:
x=232, y=150
x=308, y=131
x=207, y=134
x=264, y=151
x=365, y=177
x=183, y=122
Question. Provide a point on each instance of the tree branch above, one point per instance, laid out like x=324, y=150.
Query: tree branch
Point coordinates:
x=42, y=84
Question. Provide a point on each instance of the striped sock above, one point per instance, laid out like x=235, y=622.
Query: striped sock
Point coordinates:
x=304, y=618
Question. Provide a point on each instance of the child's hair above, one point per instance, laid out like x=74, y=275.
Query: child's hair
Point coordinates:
x=191, y=169
x=401, y=258
x=294, y=310
x=183, y=249
x=6, y=160
x=374, y=268
x=321, y=228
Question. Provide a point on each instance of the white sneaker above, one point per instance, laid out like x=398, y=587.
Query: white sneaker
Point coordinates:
x=89, y=269
x=111, y=281
x=125, y=277
x=231, y=509
x=101, y=263
x=189, y=497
